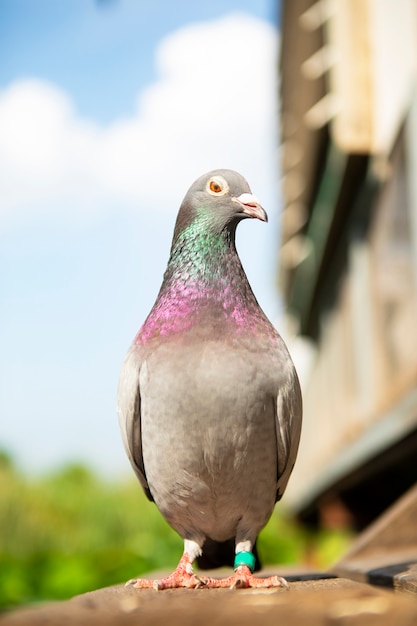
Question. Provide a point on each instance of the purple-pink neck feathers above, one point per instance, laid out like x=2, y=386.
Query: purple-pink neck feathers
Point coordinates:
x=204, y=287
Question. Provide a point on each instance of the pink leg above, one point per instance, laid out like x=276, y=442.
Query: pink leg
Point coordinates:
x=243, y=578
x=182, y=576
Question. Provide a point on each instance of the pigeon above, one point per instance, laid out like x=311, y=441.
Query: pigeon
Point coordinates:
x=209, y=401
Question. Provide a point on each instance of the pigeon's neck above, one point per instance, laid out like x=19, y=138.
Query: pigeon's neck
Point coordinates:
x=205, y=286
x=204, y=266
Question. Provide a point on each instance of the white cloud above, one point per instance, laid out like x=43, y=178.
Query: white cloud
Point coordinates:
x=213, y=105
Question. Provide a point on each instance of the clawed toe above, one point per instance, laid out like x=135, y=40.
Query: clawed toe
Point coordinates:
x=184, y=577
x=244, y=579
x=176, y=580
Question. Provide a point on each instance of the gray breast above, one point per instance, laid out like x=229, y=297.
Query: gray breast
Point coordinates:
x=209, y=438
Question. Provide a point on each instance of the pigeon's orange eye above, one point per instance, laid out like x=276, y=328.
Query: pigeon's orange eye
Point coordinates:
x=215, y=186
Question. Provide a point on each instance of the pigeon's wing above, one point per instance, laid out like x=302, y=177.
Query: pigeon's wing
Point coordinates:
x=128, y=409
x=288, y=428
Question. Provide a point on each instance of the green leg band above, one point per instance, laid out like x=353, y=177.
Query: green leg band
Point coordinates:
x=245, y=558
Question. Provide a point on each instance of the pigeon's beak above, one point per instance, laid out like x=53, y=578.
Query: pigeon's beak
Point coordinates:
x=251, y=206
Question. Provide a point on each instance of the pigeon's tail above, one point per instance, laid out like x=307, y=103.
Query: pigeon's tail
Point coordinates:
x=222, y=553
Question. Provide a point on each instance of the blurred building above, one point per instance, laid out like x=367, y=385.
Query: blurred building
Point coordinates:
x=348, y=266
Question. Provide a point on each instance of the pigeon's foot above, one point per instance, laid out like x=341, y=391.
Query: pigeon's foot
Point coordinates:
x=182, y=576
x=243, y=579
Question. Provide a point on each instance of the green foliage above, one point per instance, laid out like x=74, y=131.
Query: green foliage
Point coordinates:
x=71, y=531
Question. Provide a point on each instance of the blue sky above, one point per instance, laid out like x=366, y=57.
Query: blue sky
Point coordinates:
x=108, y=112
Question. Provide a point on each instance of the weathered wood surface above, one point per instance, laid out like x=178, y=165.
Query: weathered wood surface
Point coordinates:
x=311, y=602
x=386, y=553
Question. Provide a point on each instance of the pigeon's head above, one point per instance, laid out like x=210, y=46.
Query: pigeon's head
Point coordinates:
x=219, y=200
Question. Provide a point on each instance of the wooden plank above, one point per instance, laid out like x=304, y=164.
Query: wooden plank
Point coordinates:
x=386, y=553
x=309, y=602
